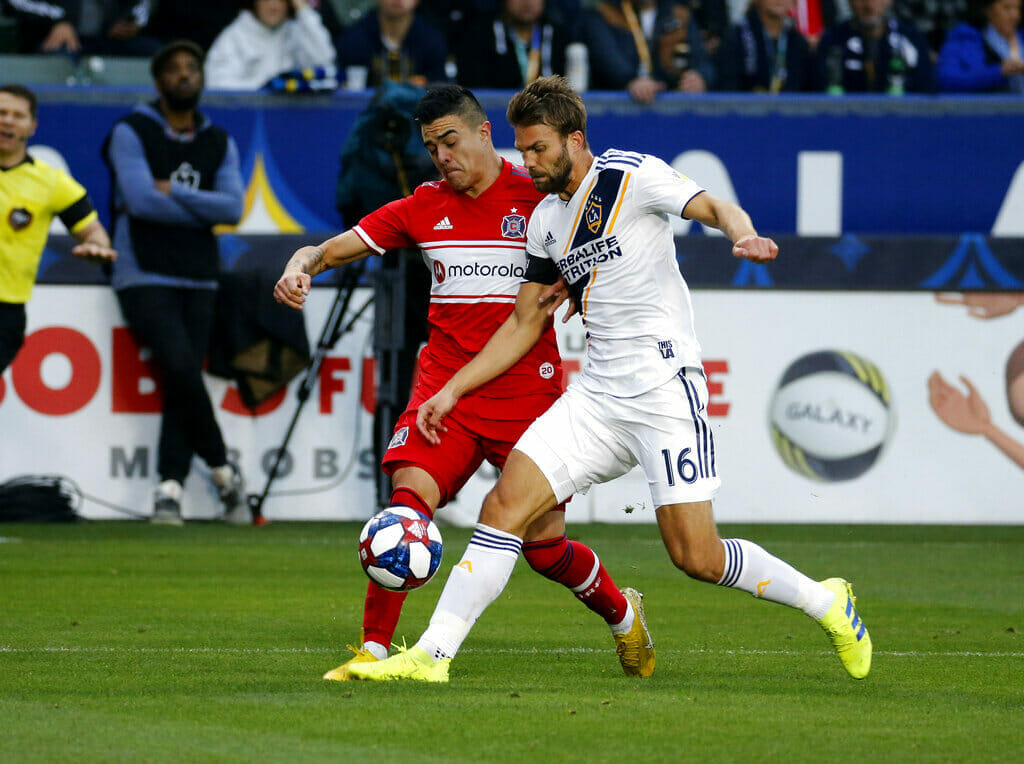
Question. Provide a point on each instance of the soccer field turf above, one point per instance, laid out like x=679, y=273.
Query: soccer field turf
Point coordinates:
x=129, y=642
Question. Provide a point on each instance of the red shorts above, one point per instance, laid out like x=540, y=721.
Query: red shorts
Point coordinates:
x=478, y=429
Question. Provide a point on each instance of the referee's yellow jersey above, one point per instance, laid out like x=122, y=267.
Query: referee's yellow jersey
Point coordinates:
x=31, y=194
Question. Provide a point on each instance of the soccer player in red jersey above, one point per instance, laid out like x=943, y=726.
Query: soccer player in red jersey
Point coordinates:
x=471, y=229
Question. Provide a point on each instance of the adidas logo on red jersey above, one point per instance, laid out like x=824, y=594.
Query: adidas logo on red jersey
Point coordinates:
x=444, y=224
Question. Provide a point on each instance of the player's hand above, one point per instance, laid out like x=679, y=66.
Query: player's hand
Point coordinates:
x=90, y=250
x=163, y=186
x=964, y=413
x=430, y=414
x=984, y=304
x=292, y=288
x=555, y=295
x=758, y=249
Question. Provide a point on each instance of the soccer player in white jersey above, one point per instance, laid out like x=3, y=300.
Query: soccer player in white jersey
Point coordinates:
x=641, y=399
x=471, y=228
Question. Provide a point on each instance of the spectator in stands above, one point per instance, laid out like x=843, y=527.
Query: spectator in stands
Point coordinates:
x=935, y=18
x=765, y=52
x=395, y=42
x=268, y=38
x=712, y=17
x=985, y=57
x=454, y=17
x=90, y=27
x=32, y=193
x=198, y=22
x=339, y=15
x=813, y=17
x=646, y=47
x=175, y=176
x=512, y=48
x=873, y=52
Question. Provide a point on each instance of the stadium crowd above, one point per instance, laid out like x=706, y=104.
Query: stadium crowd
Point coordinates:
x=644, y=47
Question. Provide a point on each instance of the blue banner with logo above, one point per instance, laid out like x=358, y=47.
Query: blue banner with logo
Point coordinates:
x=810, y=165
x=969, y=262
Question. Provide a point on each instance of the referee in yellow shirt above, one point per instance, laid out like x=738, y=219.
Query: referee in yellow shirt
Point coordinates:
x=31, y=194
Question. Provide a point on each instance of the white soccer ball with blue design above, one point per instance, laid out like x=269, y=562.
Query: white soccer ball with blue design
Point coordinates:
x=400, y=548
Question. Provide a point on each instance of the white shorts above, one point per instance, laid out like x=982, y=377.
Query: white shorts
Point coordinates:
x=587, y=438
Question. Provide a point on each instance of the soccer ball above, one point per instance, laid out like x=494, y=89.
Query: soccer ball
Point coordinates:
x=400, y=548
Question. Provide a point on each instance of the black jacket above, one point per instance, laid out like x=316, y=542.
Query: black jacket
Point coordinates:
x=748, y=63
x=36, y=19
x=486, y=55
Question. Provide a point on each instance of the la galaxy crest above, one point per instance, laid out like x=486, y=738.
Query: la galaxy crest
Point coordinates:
x=594, y=214
x=513, y=226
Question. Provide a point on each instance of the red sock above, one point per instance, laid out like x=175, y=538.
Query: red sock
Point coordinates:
x=383, y=607
x=576, y=567
x=406, y=497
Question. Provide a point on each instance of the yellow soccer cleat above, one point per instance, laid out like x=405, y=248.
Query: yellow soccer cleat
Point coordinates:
x=635, y=647
x=413, y=663
x=847, y=631
x=340, y=674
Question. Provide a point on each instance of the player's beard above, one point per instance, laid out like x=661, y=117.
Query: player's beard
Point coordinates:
x=555, y=182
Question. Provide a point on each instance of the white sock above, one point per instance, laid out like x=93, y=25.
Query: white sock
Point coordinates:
x=379, y=651
x=223, y=475
x=473, y=584
x=626, y=623
x=752, y=569
x=170, y=488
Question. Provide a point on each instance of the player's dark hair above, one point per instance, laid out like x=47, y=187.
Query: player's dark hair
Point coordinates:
x=447, y=100
x=22, y=92
x=549, y=101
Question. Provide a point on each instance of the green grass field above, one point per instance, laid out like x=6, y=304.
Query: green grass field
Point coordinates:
x=126, y=642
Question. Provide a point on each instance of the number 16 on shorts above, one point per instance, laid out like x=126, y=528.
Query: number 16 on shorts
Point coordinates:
x=680, y=465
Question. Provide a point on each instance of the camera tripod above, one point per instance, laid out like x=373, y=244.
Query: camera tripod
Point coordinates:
x=334, y=328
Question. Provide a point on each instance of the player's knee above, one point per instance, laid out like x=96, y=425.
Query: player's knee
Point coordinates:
x=505, y=509
x=495, y=507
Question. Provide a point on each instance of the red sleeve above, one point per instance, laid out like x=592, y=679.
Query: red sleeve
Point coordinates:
x=388, y=227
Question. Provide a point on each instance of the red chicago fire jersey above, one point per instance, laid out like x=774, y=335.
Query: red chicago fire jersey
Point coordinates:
x=476, y=250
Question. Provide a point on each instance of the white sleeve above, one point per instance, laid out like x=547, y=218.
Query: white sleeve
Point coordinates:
x=225, y=66
x=311, y=41
x=535, y=238
x=659, y=188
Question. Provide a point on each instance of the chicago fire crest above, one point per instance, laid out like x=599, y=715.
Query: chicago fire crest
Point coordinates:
x=513, y=226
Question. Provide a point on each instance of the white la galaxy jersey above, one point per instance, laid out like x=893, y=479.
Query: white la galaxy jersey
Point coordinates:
x=613, y=244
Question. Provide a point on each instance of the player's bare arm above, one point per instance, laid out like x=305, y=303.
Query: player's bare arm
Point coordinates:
x=735, y=223
x=508, y=344
x=293, y=286
x=94, y=243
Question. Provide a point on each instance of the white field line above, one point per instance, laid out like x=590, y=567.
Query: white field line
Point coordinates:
x=128, y=649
